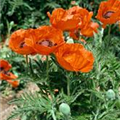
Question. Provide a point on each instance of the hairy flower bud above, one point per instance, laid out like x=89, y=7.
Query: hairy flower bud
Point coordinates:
x=64, y=108
x=110, y=94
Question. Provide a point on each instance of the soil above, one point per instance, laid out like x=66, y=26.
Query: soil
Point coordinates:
x=5, y=108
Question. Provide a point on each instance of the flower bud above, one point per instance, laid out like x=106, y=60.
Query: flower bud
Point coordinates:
x=110, y=94
x=64, y=108
x=11, y=23
x=10, y=13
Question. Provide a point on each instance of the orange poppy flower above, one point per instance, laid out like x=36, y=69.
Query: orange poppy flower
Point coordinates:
x=5, y=75
x=74, y=57
x=45, y=39
x=4, y=65
x=83, y=14
x=75, y=17
x=108, y=12
x=64, y=19
x=13, y=83
x=17, y=42
x=86, y=27
x=89, y=30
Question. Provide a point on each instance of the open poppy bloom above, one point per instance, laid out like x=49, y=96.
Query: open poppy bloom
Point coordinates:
x=71, y=19
x=85, y=27
x=109, y=12
x=87, y=30
x=4, y=65
x=83, y=15
x=13, y=83
x=74, y=57
x=45, y=39
x=17, y=42
x=64, y=19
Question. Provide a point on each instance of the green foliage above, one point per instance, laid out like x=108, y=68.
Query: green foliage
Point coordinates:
x=16, y=4
x=87, y=99
x=2, y=4
x=36, y=104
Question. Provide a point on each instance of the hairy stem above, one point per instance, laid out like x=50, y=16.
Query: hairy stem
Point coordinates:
x=53, y=115
x=26, y=57
x=109, y=31
x=68, y=86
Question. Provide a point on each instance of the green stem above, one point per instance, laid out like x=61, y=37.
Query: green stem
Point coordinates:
x=47, y=67
x=27, y=62
x=68, y=86
x=53, y=115
x=66, y=117
x=79, y=37
x=109, y=31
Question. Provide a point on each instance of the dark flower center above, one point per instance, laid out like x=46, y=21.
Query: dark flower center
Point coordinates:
x=46, y=43
x=1, y=68
x=108, y=14
x=77, y=34
x=6, y=73
x=73, y=12
x=22, y=44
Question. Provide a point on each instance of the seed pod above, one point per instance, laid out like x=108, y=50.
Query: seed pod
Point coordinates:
x=64, y=108
x=11, y=23
x=110, y=94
